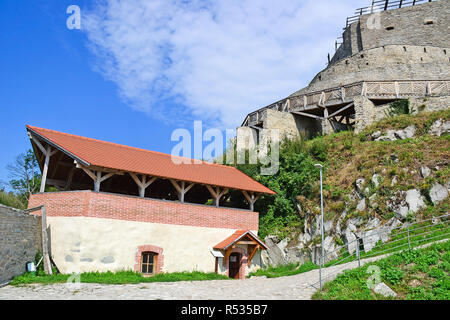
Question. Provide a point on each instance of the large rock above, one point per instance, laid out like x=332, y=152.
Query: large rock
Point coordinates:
x=439, y=127
x=438, y=193
x=361, y=205
x=425, y=171
x=275, y=255
x=359, y=183
x=350, y=240
x=389, y=136
x=382, y=289
x=296, y=255
x=414, y=200
x=376, y=178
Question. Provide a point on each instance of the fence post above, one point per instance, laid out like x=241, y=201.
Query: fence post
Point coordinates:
x=409, y=242
x=357, y=254
x=320, y=272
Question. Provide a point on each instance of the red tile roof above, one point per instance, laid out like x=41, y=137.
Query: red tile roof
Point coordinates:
x=235, y=237
x=115, y=156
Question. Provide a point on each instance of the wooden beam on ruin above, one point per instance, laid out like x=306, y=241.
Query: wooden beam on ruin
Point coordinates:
x=307, y=115
x=341, y=110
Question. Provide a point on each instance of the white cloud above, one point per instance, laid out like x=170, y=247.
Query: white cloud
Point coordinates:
x=212, y=60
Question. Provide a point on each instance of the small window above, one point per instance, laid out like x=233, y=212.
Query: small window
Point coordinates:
x=148, y=263
x=389, y=28
x=428, y=22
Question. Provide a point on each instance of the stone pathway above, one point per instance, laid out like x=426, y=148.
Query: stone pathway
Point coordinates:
x=297, y=287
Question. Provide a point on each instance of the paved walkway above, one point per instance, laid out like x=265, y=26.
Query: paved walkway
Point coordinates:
x=297, y=287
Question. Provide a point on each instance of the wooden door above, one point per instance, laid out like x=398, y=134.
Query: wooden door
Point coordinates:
x=234, y=264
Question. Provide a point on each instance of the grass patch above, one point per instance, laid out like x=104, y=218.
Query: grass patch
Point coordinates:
x=421, y=274
x=284, y=270
x=119, y=277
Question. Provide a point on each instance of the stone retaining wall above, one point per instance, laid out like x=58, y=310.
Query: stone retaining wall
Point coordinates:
x=20, y=240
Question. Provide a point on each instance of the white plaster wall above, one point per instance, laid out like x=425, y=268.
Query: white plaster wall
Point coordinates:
x=81, y=244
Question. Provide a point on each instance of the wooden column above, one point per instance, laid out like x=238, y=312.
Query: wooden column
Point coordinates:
x=142, y=183
x=217, y=194
x=96, y=176
x=47, y=152
x=251, y=199
x=181, y=188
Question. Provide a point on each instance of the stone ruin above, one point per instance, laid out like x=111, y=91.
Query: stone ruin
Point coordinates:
x=387, y=53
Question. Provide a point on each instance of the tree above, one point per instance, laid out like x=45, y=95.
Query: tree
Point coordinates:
x=25, y=175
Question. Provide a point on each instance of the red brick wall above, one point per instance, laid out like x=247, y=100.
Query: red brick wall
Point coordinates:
x=114, y=206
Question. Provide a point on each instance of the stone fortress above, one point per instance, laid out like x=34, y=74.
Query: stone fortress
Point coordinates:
x=391, y=50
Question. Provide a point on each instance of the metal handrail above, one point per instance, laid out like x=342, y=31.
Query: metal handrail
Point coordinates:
x=413, y=240
x=377, y=253
x=400, y=239
x=399, y=227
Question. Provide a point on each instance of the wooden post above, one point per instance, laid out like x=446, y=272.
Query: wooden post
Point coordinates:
x=251, y=199
x=217, y=194
x=142, y=184
x=45, y=254
x=181, y=188
x=45, y=171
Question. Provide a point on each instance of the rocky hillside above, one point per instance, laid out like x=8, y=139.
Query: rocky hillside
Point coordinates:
x=394, y=172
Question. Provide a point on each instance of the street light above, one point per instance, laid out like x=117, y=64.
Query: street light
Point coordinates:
x=318, y=165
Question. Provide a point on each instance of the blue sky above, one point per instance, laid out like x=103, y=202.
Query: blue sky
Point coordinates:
x=137, y=70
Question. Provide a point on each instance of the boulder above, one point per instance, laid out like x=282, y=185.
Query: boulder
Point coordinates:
x=376, y=178
x=359, y=183
x=275, y=255
x=373, y=201
x=296, y=255
x=438, y=193
x=425, y=171
x=376, y=135
x=439, y=127
x=414, y=200
x=409, y=132
x=361, y=205
x=382, y=289
x=350, y=240
x=389, y=136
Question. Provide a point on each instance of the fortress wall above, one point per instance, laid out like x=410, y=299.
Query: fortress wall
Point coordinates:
x=409, y=26
x=392, y=62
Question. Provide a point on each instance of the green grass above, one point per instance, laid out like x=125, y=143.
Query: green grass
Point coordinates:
x=417, y=274
x=119, y=277
x=398, y=242
x=284, y=270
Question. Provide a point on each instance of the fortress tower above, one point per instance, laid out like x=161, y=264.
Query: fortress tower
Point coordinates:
x=391, y=50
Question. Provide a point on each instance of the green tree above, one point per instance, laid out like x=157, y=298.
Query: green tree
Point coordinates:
x=25, y=175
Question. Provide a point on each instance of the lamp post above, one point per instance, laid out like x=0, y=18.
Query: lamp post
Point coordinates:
x=318, y=165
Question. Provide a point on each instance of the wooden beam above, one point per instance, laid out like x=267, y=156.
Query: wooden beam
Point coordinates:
x=70, y=178
x=217, y=194
x=250, y=198
x=45, y=171
x=181, y=188
x=307, y=115
x=340, y=110
x=252, y=254
x=227, y=255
